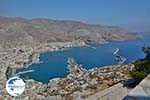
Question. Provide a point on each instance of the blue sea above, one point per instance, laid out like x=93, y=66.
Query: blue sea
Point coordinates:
x=55, y=63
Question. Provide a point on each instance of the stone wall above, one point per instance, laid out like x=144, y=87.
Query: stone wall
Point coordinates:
x=141, y=91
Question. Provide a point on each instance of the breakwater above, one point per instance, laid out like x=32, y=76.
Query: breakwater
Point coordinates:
x=118, y=57
x=24, y=72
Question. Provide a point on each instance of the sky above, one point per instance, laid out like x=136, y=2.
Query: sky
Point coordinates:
x=133, y=15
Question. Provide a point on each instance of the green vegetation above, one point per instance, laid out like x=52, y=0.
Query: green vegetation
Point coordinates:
x=142, y=66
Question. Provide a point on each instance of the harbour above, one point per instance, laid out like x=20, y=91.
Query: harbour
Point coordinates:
x=54, y=63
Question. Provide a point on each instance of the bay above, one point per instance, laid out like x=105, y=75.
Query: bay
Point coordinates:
x=55, y=63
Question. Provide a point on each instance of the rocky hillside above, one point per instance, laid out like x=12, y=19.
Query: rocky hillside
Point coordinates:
x=18, y=31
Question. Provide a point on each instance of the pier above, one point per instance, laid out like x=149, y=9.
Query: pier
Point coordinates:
x=90, y=46
x=116, y=51
x=24, y=72
x=119, y=58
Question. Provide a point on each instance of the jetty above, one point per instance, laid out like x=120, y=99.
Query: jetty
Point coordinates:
x=119, y=58
x=90, y=46
x=116, y=51
x=24, y=72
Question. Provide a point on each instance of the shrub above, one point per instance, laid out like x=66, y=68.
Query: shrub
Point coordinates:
x=142, y=66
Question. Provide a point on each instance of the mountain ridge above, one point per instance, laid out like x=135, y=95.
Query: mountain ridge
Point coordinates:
x=18, y=30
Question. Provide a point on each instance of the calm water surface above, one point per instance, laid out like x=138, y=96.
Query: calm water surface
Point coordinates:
x=55, y=63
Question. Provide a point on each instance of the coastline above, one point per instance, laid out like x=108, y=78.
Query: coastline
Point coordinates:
x=41, y=90
x=34, y=57
x=66, y=45
x=82, y=82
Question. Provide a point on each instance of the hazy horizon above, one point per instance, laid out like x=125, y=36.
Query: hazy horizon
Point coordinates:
x=130, y=14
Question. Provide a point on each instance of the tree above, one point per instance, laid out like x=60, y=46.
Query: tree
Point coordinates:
x=142, y=66
x=146, y=50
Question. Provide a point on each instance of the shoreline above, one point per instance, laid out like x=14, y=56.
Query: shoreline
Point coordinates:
x=37, y=57
x=64, y=91
x=34, y=57
x=88, y=81
x=79, y=43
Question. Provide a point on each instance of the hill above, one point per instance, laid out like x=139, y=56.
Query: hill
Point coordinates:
x=18, y=31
